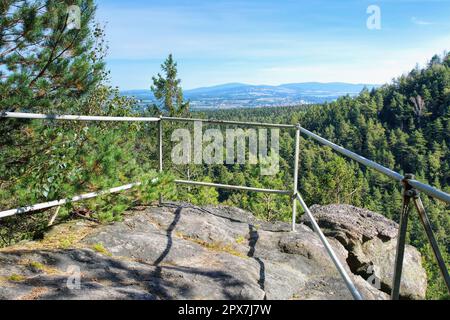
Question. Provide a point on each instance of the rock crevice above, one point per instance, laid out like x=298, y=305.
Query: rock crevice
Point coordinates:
x=181, y=251
x=370, y=240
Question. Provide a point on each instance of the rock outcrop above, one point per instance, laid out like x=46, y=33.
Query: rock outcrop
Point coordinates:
x=181, y=251
x=370, y=240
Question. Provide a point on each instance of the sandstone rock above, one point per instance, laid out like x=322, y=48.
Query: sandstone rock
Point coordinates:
x=370, y=240
x=180, y=252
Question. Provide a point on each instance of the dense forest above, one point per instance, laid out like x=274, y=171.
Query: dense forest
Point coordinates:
x=404, y=126
x=47, y=67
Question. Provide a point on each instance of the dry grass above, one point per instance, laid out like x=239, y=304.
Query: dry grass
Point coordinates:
x=36, y=265
x=241, y=240
x=5, y=282
x=213, y=246
x=98, y=247
x=16, y=278
x=35, y=294
x=63, y=236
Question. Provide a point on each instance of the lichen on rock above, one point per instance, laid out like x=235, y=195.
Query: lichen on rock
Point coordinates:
x=180, y=251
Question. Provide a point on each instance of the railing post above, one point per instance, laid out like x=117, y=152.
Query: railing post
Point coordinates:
x=429, y=231
x=401, y=238
x=160, y=153
x=296, y=161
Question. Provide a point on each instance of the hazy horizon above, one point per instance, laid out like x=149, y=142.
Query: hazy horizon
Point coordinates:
x=263, y=84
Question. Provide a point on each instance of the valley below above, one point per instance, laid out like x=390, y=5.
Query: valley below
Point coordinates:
x=237, y=95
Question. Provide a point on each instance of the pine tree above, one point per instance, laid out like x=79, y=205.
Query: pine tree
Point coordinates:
x=45, y=59
x=167, y=89
x=48, y=64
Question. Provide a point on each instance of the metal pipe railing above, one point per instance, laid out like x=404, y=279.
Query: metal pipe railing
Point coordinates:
x=296, y=164
x=19, y=115
x=160, y=153
x=371, y=164
x=57, y=203
x=408, y=181
x=226, y=122
x=348, y=281
x=427, y=189
x=232, y=187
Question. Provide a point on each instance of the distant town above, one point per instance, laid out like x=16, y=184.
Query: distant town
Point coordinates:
x=237, y=95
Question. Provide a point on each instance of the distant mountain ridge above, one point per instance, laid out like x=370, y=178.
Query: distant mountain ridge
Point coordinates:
x=235, y=95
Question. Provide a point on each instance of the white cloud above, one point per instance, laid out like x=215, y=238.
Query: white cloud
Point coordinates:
x=421, y=22
x=218, y=46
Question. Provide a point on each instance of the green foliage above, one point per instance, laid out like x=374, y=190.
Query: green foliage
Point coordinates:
x=62, y=160
x=333, y=179
x=47, y=160
x=101, y=249
x=44, y=67
x=201, y=196
x=45, y=63
x=404, y=126
x=16, y=278
x=167, y=90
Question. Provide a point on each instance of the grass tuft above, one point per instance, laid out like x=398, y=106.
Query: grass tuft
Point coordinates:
x=214, y=246
x=98, y=247
x=16, y=278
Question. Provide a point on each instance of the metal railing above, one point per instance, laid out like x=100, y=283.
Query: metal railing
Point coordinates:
x=411, y=188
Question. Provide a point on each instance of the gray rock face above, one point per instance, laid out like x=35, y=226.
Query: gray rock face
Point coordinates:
x=178, y=252
x=370, y=240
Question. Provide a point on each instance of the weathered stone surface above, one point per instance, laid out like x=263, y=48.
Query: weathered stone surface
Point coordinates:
x=370, y=240
x=178, y=252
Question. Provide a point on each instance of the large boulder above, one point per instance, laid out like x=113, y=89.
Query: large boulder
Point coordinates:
x=178, y=251
x=370, y=240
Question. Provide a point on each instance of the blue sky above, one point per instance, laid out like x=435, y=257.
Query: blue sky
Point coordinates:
x=270, y=41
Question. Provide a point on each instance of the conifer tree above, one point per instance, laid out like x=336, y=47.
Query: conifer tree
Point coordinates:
x=47, y=54
x=167, y=89
x=52, y=63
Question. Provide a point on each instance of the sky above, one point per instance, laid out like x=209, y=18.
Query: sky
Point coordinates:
x=271, y=41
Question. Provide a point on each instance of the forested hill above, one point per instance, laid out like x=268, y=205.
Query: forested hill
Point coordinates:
x=404, y=125
x=58, y=70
